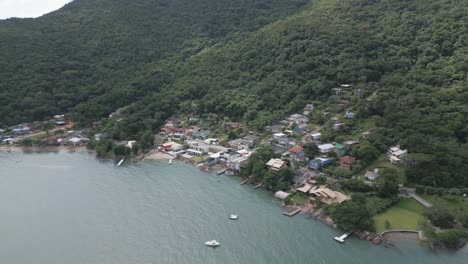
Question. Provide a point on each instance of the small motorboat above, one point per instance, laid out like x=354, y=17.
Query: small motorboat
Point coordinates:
x=212, y=243
x=233, y=217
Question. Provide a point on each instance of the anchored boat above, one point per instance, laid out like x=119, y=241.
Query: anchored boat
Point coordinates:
x=212, y=243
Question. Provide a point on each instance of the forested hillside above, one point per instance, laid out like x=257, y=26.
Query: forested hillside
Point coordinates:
x=255, y=63
x=92, y=50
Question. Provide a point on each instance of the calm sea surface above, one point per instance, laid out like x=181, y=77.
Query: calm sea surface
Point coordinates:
x=71, y=208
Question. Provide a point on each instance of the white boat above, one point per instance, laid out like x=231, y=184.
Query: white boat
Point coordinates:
x=120, y=162
x=233, y=217
x=212, y=243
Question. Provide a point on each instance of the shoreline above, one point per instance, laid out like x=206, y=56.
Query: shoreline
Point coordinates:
x=44, y=149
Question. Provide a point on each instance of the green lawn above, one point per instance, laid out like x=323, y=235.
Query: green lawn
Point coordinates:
x=406, y=214
x=299, y=198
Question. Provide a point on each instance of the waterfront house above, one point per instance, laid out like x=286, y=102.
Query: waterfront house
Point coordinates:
x=347, y=162
x=172, y=146
x=326, y=148
x=236, y=162
x=281, y=195
x=318, y=163
x=298, y=119
x=276, y=164
x=75, y=141
x=328, y=196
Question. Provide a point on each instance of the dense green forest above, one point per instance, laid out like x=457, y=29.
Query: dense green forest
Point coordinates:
x=251, y=61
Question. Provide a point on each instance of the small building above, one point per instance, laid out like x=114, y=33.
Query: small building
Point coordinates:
x=130, y=143
x=59, y=117
x=308, y=108
x=338, y=126
x=239, y=144
x=21, y=131
x=316, y=136
x=231, y=125
x=197, y=146
x=347, y=162
x=60, y=123
x=395, y=154
x=236, y=162
x=276, y=164
x=75, y=141
x=277, y=129
x=340, y=150
x=350, y=115
x=251, y=139
x=372, y=175
x=212, y=141
x=350, y=143
x=279, y=136
x=318, y=163
x=326, y=148
x=281, y=195
x=172, y=146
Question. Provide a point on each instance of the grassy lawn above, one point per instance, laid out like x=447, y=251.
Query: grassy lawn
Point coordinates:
x=299, y=198
x=198, y=158
x=406, y=214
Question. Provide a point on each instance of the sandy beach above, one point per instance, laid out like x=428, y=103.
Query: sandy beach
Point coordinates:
x=158, y=156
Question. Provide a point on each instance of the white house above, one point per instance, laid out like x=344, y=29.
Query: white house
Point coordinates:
x=316, y=136
x=281, y=195
x=279, y=135
x=325, y=148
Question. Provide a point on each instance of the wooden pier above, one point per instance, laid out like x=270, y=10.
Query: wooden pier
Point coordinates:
x=221, y=172
x=244, y=181
x=342, y=238
x=293, y=212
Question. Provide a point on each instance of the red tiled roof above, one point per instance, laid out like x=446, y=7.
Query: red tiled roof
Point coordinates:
x=348, y=160
x=295, y=149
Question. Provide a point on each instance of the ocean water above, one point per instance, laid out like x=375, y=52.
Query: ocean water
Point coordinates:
x=62, y=207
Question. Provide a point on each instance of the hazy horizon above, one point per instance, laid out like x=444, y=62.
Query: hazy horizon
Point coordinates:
x=29, y=8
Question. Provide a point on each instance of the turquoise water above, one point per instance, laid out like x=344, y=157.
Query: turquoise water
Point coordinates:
x=71, y=208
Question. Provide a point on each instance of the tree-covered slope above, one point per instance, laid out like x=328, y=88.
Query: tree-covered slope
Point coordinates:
x=416, y=51
x=225, y=57
x=92, y=48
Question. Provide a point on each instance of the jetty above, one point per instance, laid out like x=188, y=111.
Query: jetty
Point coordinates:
x=342, y=238
x=221, y=172
x=170, y=161
x=244, y=181
x=258, y=185
x=120, y=162
x=294, y=211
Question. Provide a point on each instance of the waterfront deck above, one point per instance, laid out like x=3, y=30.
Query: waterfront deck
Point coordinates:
x=293, y=211
x=221, y=172
x=342, y=238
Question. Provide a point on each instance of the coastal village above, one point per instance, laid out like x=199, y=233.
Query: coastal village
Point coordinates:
x=310, y=170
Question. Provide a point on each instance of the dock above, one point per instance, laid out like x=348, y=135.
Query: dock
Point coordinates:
x=170, y=161
x=258, y=185
x=221, y=172
x=244, y=181
x=293, y=212
x=120, y=162
x=342, y=238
